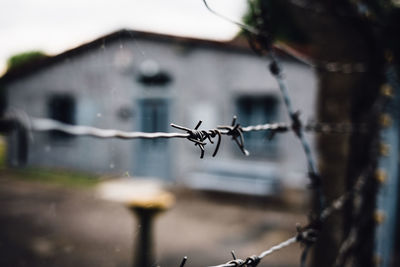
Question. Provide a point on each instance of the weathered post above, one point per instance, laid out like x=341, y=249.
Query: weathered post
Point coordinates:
x=145, y=211
x=146, y=199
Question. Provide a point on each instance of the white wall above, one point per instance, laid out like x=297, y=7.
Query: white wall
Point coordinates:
x=103, y=80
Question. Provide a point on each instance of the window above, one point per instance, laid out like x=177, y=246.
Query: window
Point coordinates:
x=151, y=75
x=253, y=110
x=62, y=109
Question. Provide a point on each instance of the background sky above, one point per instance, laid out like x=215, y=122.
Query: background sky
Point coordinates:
x=55, y=26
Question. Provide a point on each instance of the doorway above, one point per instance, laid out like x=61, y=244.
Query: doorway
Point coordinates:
x=152, y=155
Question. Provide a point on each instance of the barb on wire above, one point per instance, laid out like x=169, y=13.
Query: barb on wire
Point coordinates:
x=340, y=201
x=323, y=65
x=355, y=195
x=183, y=262
x=334, y=67
x=316, y=181
x=304, y=254
x=198, y=137
x=308, y=235
x=305, y=235
x=335, y=128
x=235, y=130
x=276, y=70
x=254, y=260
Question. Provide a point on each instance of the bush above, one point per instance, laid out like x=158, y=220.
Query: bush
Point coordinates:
x=24, y=58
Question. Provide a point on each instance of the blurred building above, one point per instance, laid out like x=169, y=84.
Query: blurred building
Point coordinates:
x=140, y=81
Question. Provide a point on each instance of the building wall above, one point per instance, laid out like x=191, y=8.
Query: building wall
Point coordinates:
x=206, y=84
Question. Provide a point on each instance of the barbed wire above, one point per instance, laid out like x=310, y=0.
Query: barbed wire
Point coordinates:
x=324, y=65
x=321, y=212
x=244, y=26
x=361, y=10
x=328, y=66
x=255, y=260
x=276, y=71
x=196, y=135
x=306, y=235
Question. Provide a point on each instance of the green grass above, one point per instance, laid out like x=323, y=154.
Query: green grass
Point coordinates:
x=2, y=152
x=58, y=177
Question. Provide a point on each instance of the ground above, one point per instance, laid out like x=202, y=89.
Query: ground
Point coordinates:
x=43, y=224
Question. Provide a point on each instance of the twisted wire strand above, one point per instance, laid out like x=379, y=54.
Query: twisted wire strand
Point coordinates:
x=196, y=135
x=263, y=254
x=280, y=246
x=43, y=124
x=240, y=25
x=40, y=124
x=305, y=235
x=276, y=71
x=349, y=242
x=334, y=67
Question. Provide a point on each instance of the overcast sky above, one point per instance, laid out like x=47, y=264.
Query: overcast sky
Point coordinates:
x=54, y=26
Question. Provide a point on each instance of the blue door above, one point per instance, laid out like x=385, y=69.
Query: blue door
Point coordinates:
x=152, y=155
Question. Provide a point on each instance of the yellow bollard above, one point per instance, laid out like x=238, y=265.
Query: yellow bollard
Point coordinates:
x=145, y=198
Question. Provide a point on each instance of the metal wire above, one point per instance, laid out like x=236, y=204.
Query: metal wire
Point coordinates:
x=316, y=181
x=250, y=260
x=41, y=124
x=306, y=235
x=197, y=136
x=241, y=25
x=340, y=201
x=279, y=247
x=44, y=124
x=349, y=242
x=361, y=9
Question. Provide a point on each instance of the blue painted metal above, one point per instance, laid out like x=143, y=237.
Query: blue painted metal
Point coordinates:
x=387, y=194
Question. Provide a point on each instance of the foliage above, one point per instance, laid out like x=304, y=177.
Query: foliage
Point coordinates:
x=273, y=17
x=57, y=177
x=2, y=152
x=24, y=58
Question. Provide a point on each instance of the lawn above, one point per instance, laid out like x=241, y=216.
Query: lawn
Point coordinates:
x=59, y=177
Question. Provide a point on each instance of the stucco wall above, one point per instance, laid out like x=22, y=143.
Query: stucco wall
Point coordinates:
x=205, y=84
